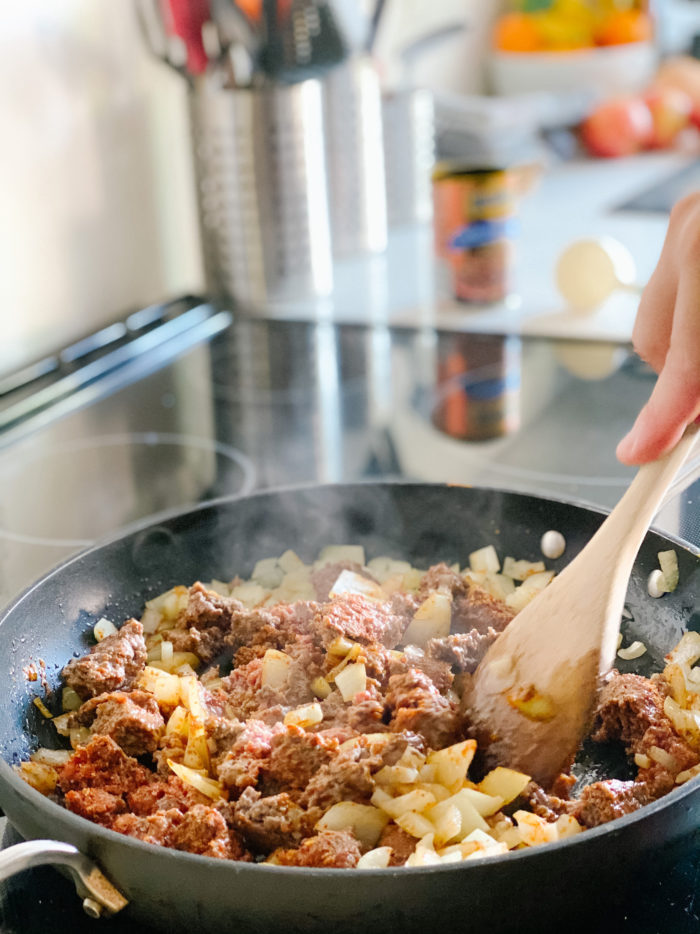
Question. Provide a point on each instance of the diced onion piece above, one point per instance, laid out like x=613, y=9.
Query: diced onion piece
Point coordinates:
x=452, y=762
x=395, y=775
x=150, y=620
x=351, y=680
x=642, y=761
x=535, y=830
x=39, y=775
x=250, y=594
x=334, y=554
x=567, y=826
x=504, y=783
x=276, y=666
x=178, y=722
x=103, y=628
x=424, y=853
x=656, y=584
x=178, y=663
x=686, y=722
x=375, y=859
x=220, y=587
x=439, y=792
x=471, y=819
x=51, y=757
x=446, y=819
x=308, y=715
x=663, y=758
x=268, y=573
x=365, y=821
x=635, y=650
x=521, y=570
x=70, y=699
x=412, y=580
x=529, y=589
x=485, y=805
x=498, y=585
x=42, y=708
x=416, y=800
x=687, y=774
x=431, y=620
x=350, y=582
x=384, y=568
x=687, y=652
x=290, y=561
x=552, y=544
x=207, y=786
x=191, y=696
x=485, y=560
x=414, y=824
x=197, y=750
x=668, y=562
x=166, y=651
x=61, y=724
x=79, y=736
x=320, y=687
x=175, y=601
x=164, y=686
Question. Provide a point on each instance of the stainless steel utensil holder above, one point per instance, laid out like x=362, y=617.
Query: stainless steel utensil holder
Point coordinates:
x=261, y=174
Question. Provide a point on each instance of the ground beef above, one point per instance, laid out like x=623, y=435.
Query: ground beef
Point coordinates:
x=443, y=578
x=155, y=828
x=628, y=705
x=203, y=830
x=478, y=610
x=330, y=849
x=364, y=715
x=402, y=844
x=360, y=619
x=171, y=746
x=133, y=720
x=102, y=764
x=266, y=823
x=417, y=706
x=604, y=801
x=546, y=804
x=461, y=650
x=295, y=756
x=345, y=778
x=95, y=804
x=111, y=665
x=439, y=670
x=249, y=755
x=163, y=796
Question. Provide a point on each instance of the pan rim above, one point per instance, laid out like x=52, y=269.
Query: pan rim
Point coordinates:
x=110, y=837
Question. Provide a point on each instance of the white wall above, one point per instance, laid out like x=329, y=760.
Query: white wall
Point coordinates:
x=96, y=201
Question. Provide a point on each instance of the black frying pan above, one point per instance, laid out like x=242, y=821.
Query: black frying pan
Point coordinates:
x=534, y=889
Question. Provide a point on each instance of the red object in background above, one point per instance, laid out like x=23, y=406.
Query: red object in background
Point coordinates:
x=671, y=111
x=618, y=127
x=187, y=17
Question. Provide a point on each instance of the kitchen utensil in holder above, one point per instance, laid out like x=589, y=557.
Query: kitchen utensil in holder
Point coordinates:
x=263, y=200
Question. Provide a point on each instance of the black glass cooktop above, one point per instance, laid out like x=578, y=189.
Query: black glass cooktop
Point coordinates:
x=185, y=402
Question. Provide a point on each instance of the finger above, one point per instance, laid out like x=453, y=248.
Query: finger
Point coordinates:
x=654, y=320
x=675, y=401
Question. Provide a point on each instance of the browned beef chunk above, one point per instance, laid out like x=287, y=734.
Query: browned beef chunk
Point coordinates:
x=462, y=651
x=360, y=619
x=434, y=666
x=604, y=801
x=444, y=578
x=324, y=577
x=480, y=611
x=111, y=665
x=295, y=756
x=545, y=804
x=347, y=777
x=402, y=844
x=418, y=707
x=363, y=715
x=154, y=828
x=628, y=705
x=241, y=766
x=163, y=796
x=331, y=849
x=392, y=751
x=170, y=746
x=133, y=720
x=95, y=804
x=270, y=822
x=203, y=830
x=102, y=764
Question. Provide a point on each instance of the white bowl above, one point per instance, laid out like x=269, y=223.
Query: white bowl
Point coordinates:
x=618, y=69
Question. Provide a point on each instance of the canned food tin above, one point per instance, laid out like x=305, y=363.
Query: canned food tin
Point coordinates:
x=474, y=217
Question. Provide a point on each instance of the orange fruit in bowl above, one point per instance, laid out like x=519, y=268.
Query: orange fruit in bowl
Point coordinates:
x=561, y=32
x=517, y=32
x=623, y=26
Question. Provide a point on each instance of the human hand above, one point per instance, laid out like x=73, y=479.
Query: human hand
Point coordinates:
x=667, y=336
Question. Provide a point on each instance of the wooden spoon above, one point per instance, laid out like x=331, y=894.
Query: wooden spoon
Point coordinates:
x=532, y=697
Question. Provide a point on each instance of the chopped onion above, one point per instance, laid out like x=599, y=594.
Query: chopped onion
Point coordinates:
x=51, y=756
x=663, y=758
x=42, y=708
x=642, y=761
x=351, y=680
x=485, y=560
x=431, y=620
x=365, y=821
x=275, y=669
x=668, y=562
x=635, y=650
x=166, y=651
x=209, y=787
x=333, y=554
x=375, y=859
x=349, y=582
x=103, y=628
x=521, y=570
x=308, y=715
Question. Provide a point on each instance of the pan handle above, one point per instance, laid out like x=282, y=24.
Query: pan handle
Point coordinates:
x=97, y=892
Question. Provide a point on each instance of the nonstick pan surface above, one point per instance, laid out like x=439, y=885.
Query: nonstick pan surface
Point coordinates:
x=422, y=523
